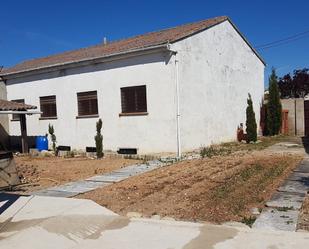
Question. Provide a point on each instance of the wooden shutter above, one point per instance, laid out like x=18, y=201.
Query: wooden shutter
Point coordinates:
x=48, y=106
x=87, y=103
x=133, y=99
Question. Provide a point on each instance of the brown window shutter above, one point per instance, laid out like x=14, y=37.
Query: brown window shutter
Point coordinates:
x=87, y=103
x=48, y=106
x=133, y=99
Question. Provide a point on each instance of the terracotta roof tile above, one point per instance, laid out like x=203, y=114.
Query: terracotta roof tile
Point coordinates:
x=102, y=50
x=6, y=105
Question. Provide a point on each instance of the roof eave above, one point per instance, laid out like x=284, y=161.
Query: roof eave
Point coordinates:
x=114, y=56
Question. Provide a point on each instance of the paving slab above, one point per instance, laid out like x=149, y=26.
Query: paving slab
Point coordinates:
x=54, y=193
x=286, y=199
x=78, y=187
x=294, y=186
x=106, y=178
x=273, y=219
x=299, y=176
x=303, y=167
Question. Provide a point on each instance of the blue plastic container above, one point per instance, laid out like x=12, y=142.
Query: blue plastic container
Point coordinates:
x=41, y=143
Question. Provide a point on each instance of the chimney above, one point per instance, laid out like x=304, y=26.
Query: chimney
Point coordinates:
x=104, y=40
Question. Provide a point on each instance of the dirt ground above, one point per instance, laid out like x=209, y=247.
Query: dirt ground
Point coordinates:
x=46, y=172
x=217, y=189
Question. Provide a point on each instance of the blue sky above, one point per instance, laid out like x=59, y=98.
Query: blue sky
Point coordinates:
x=31, y=29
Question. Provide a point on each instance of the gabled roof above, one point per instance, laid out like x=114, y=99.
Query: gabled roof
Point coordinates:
x=6, y=105
x=147, y=40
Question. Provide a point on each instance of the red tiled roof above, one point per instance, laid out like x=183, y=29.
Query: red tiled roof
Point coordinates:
x=126, y=45
x=6, y=105
x=147, y=40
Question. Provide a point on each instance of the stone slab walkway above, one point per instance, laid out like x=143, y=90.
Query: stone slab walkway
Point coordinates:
x=79, y=187
x=283, y=208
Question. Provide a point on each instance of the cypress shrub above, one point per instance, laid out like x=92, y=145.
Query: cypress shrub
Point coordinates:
x=251, y=127
x=99, y=140
x=274, y=107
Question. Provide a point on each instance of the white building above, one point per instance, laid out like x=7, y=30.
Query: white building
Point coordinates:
x=166, y=91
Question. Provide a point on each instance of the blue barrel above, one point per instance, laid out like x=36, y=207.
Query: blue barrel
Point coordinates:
x=41, y=143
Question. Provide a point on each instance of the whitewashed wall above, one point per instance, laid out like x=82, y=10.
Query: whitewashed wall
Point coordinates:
x=217, y=70
x=152, y=133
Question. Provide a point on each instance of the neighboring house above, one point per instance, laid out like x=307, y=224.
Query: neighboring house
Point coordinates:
x=167, y=91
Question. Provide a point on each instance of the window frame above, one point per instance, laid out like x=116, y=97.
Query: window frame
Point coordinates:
x=140, y=105
x=16, y=117
x=55, y=102
x=79, y=112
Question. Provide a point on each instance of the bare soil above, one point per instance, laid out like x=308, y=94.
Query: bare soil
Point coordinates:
x=40, y=173
x=217, y=189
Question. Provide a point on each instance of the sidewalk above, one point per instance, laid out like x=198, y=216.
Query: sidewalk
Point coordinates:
x=35, y=222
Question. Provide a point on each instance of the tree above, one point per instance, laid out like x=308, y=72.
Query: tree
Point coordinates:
x=99, y=140
x=251, y=126
x=51, y=132
x=296, y=85
x=273, y=106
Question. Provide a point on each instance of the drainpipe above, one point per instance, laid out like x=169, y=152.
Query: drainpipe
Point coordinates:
x=177, y=106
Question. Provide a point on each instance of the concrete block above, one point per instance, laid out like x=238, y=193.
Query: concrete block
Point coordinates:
x=273, y=219
x=286, y=199
x=107, y=178
x=54, y=193
x=63, y=153
x=303, y=167
x=299, y=176
x=78, y=187
x=34, y=152
x=91, y=154
x=294, y=186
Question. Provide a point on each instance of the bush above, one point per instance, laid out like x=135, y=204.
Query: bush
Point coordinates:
x=251, y=127
x=214, y=150
x=99, y=140
x=51, y=132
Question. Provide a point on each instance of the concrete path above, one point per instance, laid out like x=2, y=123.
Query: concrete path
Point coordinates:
x=283, y=208
x=74, y=188
x=36, y=222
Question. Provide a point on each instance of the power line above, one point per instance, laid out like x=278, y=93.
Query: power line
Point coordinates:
x=284, y=40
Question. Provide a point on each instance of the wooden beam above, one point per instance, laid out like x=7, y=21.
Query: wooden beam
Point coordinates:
x=23, y=129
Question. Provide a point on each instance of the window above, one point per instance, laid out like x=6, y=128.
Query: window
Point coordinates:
x=16, y=116
x=87, y=103
x=133, y=100
x=48, y=106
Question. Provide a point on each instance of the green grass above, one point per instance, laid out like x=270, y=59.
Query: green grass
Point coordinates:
x=284, y=209
x=230, y=147
x=248, y=221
